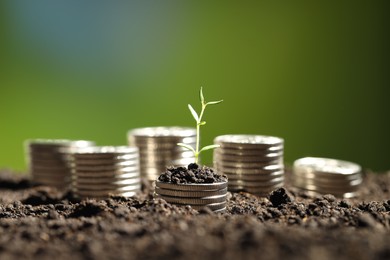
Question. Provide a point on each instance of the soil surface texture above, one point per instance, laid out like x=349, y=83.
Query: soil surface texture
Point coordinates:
x=38, y=222
x=194, y=173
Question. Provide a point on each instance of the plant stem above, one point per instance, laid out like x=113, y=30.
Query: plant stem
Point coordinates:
x=198, y=123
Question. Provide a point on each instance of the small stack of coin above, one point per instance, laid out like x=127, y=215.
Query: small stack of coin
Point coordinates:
x=158, y=148
x=210, y=195
x=47, y=164
x=101, y=171
x=252, y=163
x=327, y=176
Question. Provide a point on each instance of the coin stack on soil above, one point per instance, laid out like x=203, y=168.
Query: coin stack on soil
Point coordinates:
x=252, y=163
x=210, y=195
x=47, y=164
x=101, y=171
x=327, y=176
x=158, y=148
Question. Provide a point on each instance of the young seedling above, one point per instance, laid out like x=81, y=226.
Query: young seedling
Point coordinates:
x=199, y=123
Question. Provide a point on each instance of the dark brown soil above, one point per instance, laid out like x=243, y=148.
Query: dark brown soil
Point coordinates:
x=192, y=174
x=41, y=223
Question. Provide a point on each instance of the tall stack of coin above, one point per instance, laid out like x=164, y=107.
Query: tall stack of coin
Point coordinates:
x=47, y=164
x=210, y=195
x=158, y=148
x=327, y=176
x=101, y=171
x=252, y=163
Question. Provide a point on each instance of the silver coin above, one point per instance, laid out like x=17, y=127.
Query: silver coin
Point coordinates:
x=255, y=177
x=123, y=157
x=94, y=163
x=263, y=170
x=108, y=151
x=116, y=175
x=340, y=187
x=104, y=193
x=46, y=162
x=328, y=181
x=248, y=141
x=51, y=174
x=242, y=159
x=163, y=131
x=119, y=170
x=106, y=180
x=57, y=142
x=194, y=201
x=256, y=183
x=110, y=182
x=250, y=152
x=162, y=140
x=324, y=190
x=192, y=186
x=325, y=165
x=55, y=179
x=258, y=189
x=105, y=167
x=44, y=156
x=189, y=194
x=106, y=188
x=213, y=206
x=246, y=165
x=325, y=176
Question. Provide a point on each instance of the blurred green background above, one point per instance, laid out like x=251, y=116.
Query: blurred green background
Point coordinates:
x=313, y=73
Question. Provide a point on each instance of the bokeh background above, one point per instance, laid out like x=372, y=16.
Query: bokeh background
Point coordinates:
x=313, y=73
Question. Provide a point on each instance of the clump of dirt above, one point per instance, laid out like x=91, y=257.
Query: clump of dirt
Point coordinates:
x=39, y=222
x=192, y=174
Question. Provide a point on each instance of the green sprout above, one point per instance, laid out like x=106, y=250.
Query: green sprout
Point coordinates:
x=199, y=123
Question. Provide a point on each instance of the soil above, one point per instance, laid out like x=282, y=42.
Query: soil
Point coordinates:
x=38, y=222
x=193, y=173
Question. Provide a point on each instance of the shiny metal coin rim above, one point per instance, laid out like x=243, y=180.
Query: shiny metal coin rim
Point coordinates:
x=192, y=186
x=194, y=201
x=256, y=184
x=326, y=176
x=248, y=141
x=189, y=194
x=257, y=165
x=254, y=177
x=162, y=131
x=319, y=164
x=264, y=170
x=106, y=188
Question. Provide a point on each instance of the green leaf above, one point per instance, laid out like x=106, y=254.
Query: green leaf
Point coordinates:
x=209, y=147
x=214, y=102
x=193, y=112
x=187, y=147
x=202, y=123
x=201, y=97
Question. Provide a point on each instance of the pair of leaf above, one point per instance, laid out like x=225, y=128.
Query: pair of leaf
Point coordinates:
x=195, y=115
x=208, y=147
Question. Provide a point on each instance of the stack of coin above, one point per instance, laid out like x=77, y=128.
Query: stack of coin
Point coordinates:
x=47, y=164
x=101, y=171
x=210, y=195
x=327, y=176
x=252, y=163
x=158, y=148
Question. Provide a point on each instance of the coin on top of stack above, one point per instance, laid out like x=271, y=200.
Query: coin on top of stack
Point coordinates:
x=252, y=163
x=210, y=195
x=158, y=148
x=327, y=176
x=46, y=162
x=104, y=170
